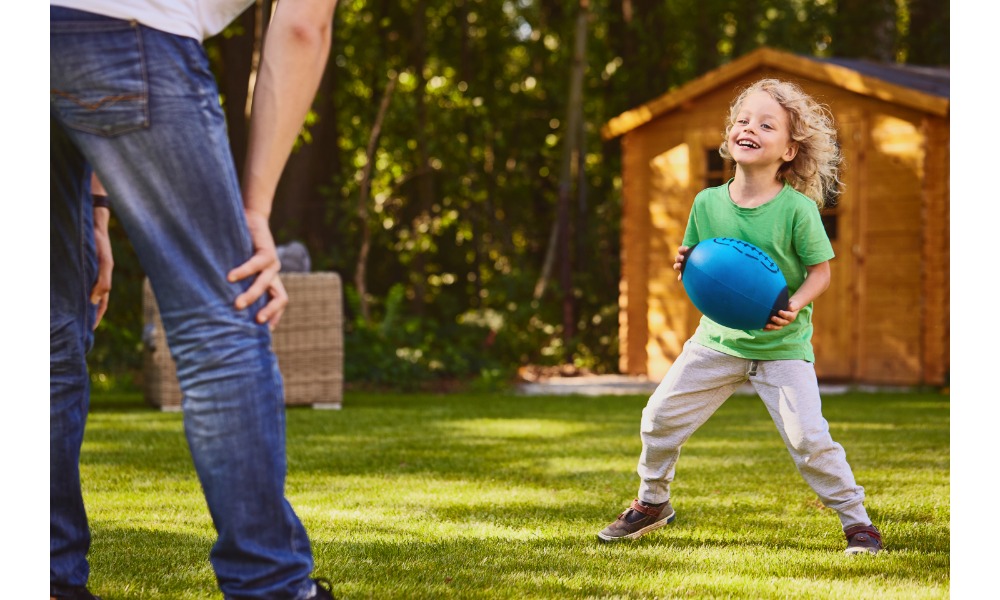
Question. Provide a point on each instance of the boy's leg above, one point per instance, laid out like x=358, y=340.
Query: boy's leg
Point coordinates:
x=161, y=151
x=72, y=274
x=695, y=387
x=791, y=393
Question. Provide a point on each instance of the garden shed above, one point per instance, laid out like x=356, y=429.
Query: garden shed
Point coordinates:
x=885, y=318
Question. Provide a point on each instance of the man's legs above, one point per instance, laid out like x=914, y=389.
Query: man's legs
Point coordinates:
x=163, y=155
x=791, y=394
x=695, y=387
x=72, y=274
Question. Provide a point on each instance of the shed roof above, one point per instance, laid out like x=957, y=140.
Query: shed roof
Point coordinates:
x=923, y=88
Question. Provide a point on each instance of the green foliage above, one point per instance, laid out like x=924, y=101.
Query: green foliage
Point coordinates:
x=403, y=352
x=469, y=236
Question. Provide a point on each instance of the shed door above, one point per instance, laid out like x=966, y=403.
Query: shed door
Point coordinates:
x=834, y=313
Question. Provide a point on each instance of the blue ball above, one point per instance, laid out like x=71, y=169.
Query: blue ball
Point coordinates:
x=734, y=283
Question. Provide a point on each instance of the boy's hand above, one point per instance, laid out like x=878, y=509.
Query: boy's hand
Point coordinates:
x=679, y=260
x=786, y=318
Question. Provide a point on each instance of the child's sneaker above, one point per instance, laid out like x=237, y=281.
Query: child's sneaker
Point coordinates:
x=636, y=521
x=863, y=538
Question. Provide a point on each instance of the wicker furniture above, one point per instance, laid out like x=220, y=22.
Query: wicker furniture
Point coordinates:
x=309, y=343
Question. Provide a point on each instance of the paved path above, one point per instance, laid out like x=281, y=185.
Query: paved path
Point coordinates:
x=619, y=385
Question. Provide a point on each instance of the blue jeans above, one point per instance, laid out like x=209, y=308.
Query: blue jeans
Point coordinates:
x=141, y=108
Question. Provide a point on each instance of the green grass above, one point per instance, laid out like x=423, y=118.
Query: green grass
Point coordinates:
x=479, y=496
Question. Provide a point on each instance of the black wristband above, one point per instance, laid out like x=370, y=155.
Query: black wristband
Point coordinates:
x=101, y=201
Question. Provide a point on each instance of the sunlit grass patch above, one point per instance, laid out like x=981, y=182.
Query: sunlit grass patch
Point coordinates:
x=473, y=496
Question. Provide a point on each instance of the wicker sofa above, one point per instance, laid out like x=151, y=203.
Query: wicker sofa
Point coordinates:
x=309, y=343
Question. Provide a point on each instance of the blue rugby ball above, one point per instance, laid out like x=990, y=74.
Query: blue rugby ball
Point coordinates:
x=734, y=283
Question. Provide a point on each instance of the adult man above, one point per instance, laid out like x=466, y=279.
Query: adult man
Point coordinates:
x=133, y=99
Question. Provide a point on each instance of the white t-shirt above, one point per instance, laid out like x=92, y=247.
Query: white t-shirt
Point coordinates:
x=198, y=19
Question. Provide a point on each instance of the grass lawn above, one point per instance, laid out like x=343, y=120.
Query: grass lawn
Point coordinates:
x=493, y=496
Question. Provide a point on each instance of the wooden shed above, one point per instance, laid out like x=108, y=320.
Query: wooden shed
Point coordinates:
x=885, y=318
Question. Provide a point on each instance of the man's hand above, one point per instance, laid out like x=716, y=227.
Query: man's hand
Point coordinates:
x=105, y=263
x=679, y=260
x=786, y=316
x=265, y=262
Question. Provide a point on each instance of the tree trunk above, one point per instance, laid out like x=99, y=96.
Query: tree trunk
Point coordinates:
x=262, y=18
x=361, y=271
x=865, y=29
x=581, y=193
x=707, y=49
x=561, y=225
x=928, y=37
x=628, y=54
x=746, y=28
x=237, y=60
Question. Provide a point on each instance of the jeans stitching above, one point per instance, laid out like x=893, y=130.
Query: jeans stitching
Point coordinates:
x=142, y=69
x=97, y=104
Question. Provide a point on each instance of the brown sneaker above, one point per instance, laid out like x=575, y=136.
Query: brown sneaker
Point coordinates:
x=636, y=521
x=863, y=538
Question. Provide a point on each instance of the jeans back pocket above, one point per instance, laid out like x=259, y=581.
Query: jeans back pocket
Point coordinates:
x=97, y=76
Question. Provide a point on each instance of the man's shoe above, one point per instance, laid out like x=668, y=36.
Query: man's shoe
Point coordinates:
x=68, y=592
x=863, y=538
x=636, y=521
x=324, y=589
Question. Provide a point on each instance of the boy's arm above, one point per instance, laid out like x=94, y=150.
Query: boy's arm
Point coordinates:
x=690, y=239
x=817, y=280
x=292, y=64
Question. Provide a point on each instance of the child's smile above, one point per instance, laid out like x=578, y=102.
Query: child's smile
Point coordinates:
x=760, y=136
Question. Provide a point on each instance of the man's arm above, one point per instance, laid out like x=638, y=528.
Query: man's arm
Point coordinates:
x=292, y=63
x=102, y=242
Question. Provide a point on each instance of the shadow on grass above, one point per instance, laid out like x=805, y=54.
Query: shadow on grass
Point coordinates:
x=142, y=562
x=577, y=566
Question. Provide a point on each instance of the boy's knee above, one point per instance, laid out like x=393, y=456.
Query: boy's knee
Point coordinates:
x=812, y=444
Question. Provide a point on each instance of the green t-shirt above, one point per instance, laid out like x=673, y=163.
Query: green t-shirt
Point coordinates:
x=789, y=229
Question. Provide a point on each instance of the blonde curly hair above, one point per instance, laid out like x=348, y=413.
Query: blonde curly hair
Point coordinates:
x=816, y=167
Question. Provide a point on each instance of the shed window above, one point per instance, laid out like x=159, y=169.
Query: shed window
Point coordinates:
x=717, y=169
x=830, y=225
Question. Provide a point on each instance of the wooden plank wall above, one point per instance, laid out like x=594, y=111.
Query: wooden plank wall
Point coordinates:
x=835, y=312
x=632, y=329
x=668, y=305
x=894, y=253
x=936, y=255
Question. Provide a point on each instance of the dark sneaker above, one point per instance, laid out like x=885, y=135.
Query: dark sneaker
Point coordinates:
x=863, y=538
x=324, y=589
x=69, y=592
x=636, y=521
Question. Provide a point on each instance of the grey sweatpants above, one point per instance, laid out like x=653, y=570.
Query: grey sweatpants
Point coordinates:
x=696, y=386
